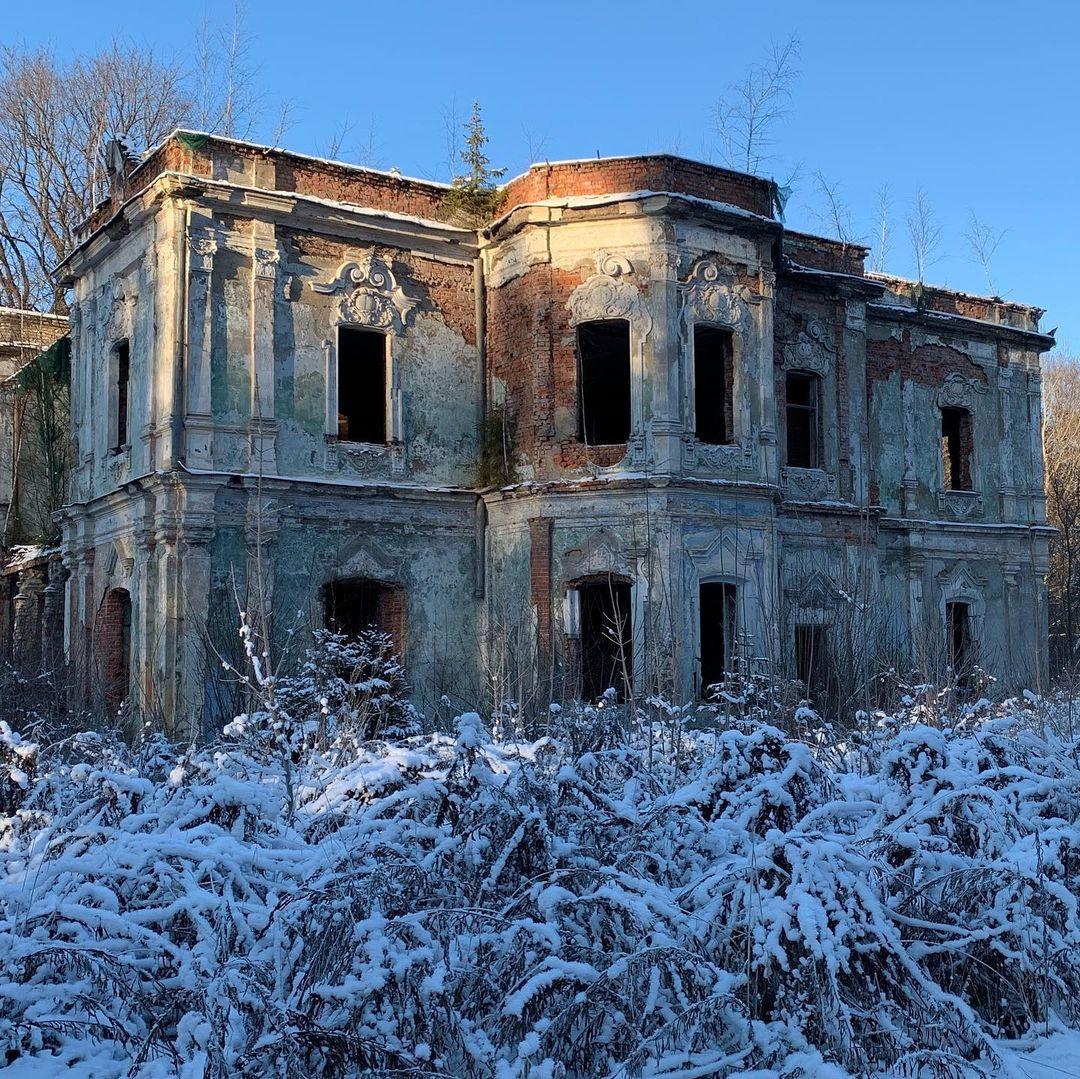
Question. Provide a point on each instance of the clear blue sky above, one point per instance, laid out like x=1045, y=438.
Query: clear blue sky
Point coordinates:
x=978, y=103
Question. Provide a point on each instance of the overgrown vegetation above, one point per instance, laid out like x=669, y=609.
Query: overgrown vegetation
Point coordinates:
x=498, y=447
x=474, y=196
x=659, y=890
x=41, y=390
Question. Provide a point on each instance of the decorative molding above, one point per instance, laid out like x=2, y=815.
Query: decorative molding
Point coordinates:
x=202, y=246
x=607, y=294
x=811, y=350
x=372, y=297
x=960, y=505
x=727, y=457
x=712, y=292
x=808, y=484
x=265, y=262
x=959, y=392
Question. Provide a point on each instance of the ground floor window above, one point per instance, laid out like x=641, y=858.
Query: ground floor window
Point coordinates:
x=354, y=604
x=606, y=638
x=811, y=658
x=958, y=628
x=717, y=622
x=113, y=647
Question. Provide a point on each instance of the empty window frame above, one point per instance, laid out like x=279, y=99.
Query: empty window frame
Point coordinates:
x=714, y=384
x=958, y=628
x=803, y=391
x=717, y=620
x=811, y=659
x=957, y=444
x=354, y=604
x=603, y=355
x=606, y=637
x=122, y=377
x=362, y=385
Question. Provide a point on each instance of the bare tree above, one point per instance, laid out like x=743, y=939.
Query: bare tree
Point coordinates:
x=836, y=214
x=227, y=96
x=750, y=109
x=882, y=230
x=55, y=121
x=1061, y=445
x=983, y=241
x=924, y=233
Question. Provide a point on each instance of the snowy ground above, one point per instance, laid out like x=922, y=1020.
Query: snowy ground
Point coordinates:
x=612, y=900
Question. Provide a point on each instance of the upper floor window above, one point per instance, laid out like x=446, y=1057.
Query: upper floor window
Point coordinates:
x=362, y=385
x=714, y=383
x=803, y=420
x=603, y=354
x=121, y=369
x=957, y=443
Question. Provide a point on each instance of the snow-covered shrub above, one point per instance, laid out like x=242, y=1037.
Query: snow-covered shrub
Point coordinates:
x=357, y=684
x=710, y=902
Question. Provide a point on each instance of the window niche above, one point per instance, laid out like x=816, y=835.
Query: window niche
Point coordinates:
x=603, y=360
x=714, y=384
x=803, y=394
x=957, y=448
x=811, y=659
x=362, y=385
x=958, y=630
x=112, y=647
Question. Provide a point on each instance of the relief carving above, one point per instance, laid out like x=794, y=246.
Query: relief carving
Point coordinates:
x=372, y=295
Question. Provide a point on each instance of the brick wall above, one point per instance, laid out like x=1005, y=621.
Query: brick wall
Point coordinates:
x=660, y=172
x=928, y=365
x=540, y=584
x=532, y=348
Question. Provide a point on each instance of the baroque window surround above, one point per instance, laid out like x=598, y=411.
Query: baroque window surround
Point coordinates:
x=371, y=299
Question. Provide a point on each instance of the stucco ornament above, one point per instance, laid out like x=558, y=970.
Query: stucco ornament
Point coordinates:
x=959, y=392
x=811, y=350
x=372, y=295
x=608, y=294
x=713, y=293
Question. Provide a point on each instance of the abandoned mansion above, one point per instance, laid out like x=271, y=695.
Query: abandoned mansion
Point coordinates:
x=629, y=431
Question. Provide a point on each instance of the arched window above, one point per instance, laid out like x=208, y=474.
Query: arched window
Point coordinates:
x=803, y=419
x=353, y=604
x=112, y=647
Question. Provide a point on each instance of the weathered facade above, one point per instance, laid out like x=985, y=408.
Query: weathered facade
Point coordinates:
x=717, y=441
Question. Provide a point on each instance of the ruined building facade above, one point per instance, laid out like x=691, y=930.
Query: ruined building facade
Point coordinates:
x=633, y=430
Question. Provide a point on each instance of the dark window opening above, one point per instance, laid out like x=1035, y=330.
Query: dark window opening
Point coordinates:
x=604, y=381
x=803, y=427
x=717, y=617
x=810, y=660
x=606, y=641
x=958, y=626
x=113, y=647
x=714, y=384
x=957, y=442
x=354, y=604
x=361, y=371
x=123, y=371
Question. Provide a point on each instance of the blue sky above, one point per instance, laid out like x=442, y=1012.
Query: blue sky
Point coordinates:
x=977, y=103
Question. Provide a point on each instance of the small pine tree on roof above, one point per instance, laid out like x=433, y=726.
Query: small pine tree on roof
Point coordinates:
x=474, y=196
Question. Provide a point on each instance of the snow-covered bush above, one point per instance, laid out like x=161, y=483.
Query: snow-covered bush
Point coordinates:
x=709, y=902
